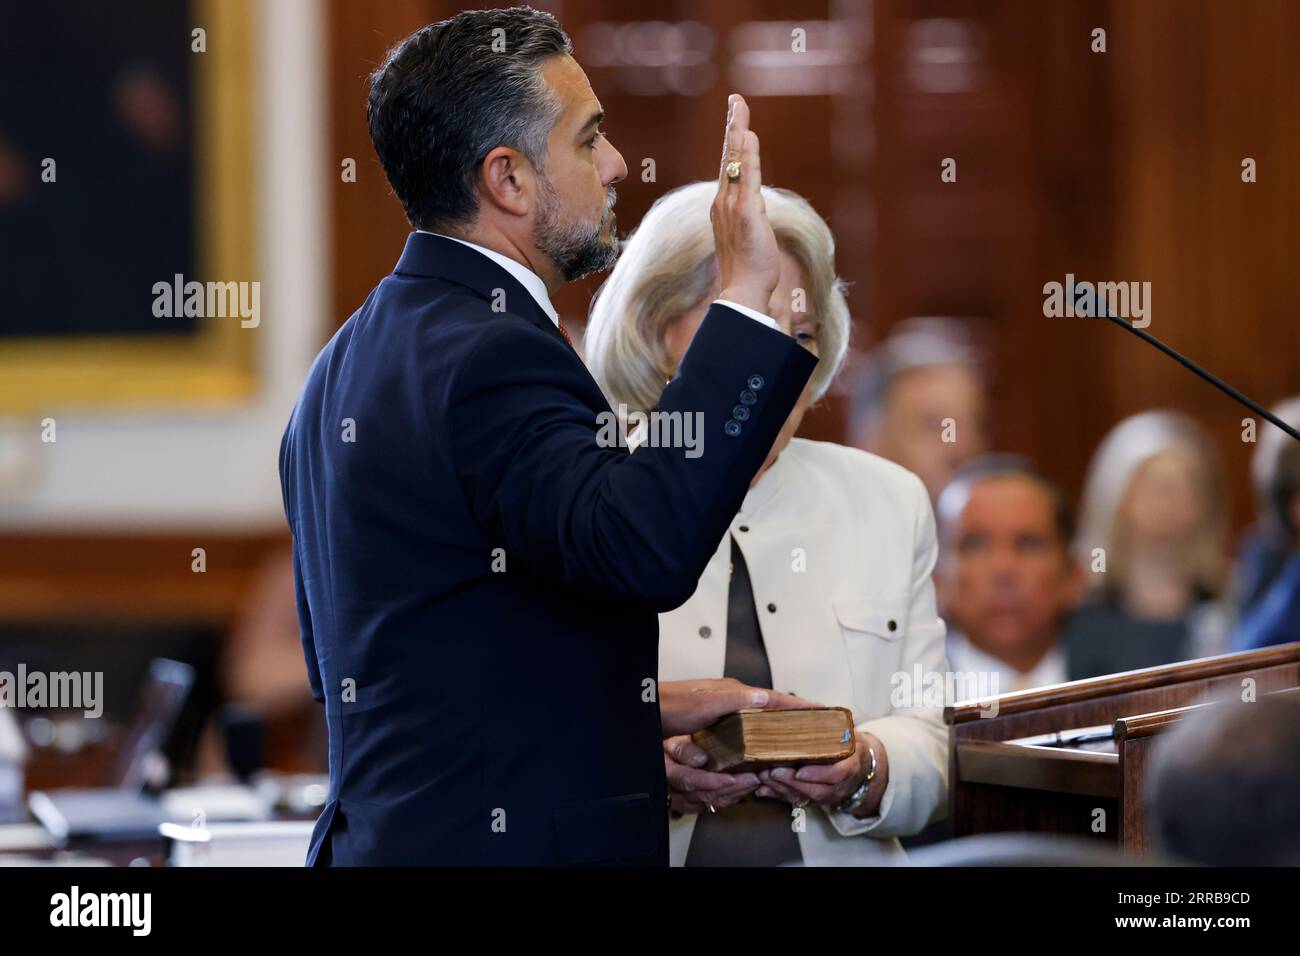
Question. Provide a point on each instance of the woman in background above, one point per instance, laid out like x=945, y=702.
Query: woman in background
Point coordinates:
x=822, y=586
x=1153, y=545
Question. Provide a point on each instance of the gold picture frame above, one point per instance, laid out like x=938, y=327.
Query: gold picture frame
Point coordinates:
x=215, y=366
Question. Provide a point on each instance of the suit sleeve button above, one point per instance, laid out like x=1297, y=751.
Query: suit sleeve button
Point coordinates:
x=740, y=413
x=732, y=428
x=747, y=397
x=756, y=382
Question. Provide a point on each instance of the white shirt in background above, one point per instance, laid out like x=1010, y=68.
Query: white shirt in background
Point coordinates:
x=965, y=657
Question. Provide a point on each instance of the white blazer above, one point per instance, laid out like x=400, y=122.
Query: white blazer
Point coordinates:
x=841, y=543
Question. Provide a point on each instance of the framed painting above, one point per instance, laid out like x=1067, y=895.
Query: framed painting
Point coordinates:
x=127, y=206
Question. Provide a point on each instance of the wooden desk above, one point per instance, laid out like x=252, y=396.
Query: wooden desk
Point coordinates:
x=999, y=780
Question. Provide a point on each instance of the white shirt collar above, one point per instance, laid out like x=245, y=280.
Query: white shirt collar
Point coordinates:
x=966, y=657
x=529, y=279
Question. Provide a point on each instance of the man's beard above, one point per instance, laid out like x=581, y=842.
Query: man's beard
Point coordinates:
x=577, y=248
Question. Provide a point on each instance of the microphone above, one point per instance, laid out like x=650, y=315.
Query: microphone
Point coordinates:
x=1187, y=363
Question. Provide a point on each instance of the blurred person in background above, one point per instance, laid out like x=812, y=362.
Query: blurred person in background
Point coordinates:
x=1224, y=785
x=265, y=675
x=1007, y=583
x=821, y=587
x=1265, y=546
x=1275, y=617
x=919, y=400
x=1152, y=545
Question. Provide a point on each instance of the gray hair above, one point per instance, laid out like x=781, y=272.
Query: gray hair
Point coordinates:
x=919, y=342
x=668, y=266
x=1269, y=445
x=1282, y=491
x=452, y=92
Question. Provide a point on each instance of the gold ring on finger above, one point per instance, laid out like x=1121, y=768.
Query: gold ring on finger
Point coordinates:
x=733, y=171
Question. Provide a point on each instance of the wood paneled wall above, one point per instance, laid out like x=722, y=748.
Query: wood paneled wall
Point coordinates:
x=369, y=227
x=1196, y=88
x=1115, y=166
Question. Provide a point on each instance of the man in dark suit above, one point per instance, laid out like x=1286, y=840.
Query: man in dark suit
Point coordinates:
x=478, y=572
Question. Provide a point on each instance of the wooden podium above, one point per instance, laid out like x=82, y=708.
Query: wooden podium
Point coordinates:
x=1072, y=758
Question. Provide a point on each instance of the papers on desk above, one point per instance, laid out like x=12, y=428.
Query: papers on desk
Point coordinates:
x=215, y=802
x=117, y=814
x=281, y=843
x=24, y=837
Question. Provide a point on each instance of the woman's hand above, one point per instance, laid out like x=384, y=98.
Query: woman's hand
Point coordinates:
x=693, y=790
x=831, y=784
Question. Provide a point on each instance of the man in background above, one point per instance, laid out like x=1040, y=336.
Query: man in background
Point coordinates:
x=1275, y=617
x=1265, y=546
x=1005, y=577
x=919, y=400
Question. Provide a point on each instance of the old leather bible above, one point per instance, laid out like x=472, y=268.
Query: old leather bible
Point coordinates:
x=756, y=739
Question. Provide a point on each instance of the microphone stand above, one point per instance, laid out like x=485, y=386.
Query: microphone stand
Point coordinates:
x=1187, y=363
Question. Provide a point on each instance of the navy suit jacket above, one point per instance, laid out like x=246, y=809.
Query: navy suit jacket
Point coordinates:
x=478, y=578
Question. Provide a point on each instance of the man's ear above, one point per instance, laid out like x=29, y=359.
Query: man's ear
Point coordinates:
x=508, y=181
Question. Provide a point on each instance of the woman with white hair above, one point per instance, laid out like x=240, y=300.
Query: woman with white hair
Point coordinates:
x=821, y=587
x=1152, y=541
